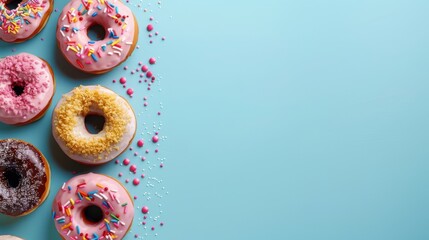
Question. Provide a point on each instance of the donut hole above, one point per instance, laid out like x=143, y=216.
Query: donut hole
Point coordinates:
x=94, y=123
x=96, y=32
x=12, y=177
x=12, y=4
x=18, y=89
x=92, y=214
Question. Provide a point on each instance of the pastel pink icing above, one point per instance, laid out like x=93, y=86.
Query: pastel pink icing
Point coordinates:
x=24, y=21
x=33, y=74
x=96, y=56
x=104, y=192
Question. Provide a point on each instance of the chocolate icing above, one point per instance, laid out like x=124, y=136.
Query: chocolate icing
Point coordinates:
x=22, y=177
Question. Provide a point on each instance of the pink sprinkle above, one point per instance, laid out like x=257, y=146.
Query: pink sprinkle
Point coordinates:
x=163, y=38
x=120, y=174
x=126, y=161
x=133, y=168
x=142, y=176
x=145, y=210
x=136, y=235
x=113, y=81
x=151, y=18
x=149, y=27
x=161, y=165
x=155, y=139
x=130, y=91
x=143, y=158
x=144, y=223
x=145, y=68
x=152, y=61
x=127, y=180
x=135, y=197
x=145, y=104
x=161, y=224
x=136, y=153
x=136, y=181
x=140, y=143
x=125, y=68
x=117, y=161
x=159, y=113
x=122, y=80
x=147, y=151
x=149, y=74
x=153, y=228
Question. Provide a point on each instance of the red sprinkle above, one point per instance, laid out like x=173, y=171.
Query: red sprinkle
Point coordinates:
x=145, y=68
x=145, y=210
x=133, y=168
x=130, y=91
x=136, y=181
x=149, y=27
x=126, y=161
x=152, y=61
x=140, y=143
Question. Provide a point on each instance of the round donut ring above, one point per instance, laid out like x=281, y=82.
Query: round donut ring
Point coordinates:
x=89, y=201
x=25, y=21
x=69, y=130
x=121, y=34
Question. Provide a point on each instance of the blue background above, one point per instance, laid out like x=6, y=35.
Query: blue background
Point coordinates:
x=285, y=120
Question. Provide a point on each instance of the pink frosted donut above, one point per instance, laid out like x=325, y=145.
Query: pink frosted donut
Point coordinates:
x=24, y=21
x=93, y=205
x=26, y=88
x=96, y=56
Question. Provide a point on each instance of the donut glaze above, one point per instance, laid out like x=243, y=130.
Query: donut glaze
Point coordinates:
x=96, y=56
x=89, y=190
x=22, y=23
x=34, y=77
x=68, y=124
x=24, y=177
x=9, y=237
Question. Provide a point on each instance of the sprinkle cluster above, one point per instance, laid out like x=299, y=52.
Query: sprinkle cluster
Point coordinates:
x=95, y=11
x=103, y=196
x=12, y=21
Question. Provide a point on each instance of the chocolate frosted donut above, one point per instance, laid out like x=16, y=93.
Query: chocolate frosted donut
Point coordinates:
x=24, y=177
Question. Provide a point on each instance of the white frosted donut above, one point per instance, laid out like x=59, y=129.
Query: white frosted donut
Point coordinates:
x=9, y=237
x=69, y=130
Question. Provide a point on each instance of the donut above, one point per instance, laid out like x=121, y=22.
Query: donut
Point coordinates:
x=23, y=21
x=96, y=57
x=24, y=177
x=27, y=86
x=93, y=206
x=71, y=134
x=9, y=237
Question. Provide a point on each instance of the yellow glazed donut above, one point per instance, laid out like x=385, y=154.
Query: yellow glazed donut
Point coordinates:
x=69, y=130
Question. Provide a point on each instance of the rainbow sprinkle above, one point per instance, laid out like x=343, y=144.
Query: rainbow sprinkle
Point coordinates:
x=89, y=52
x=12, y=21
x=63, y=215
